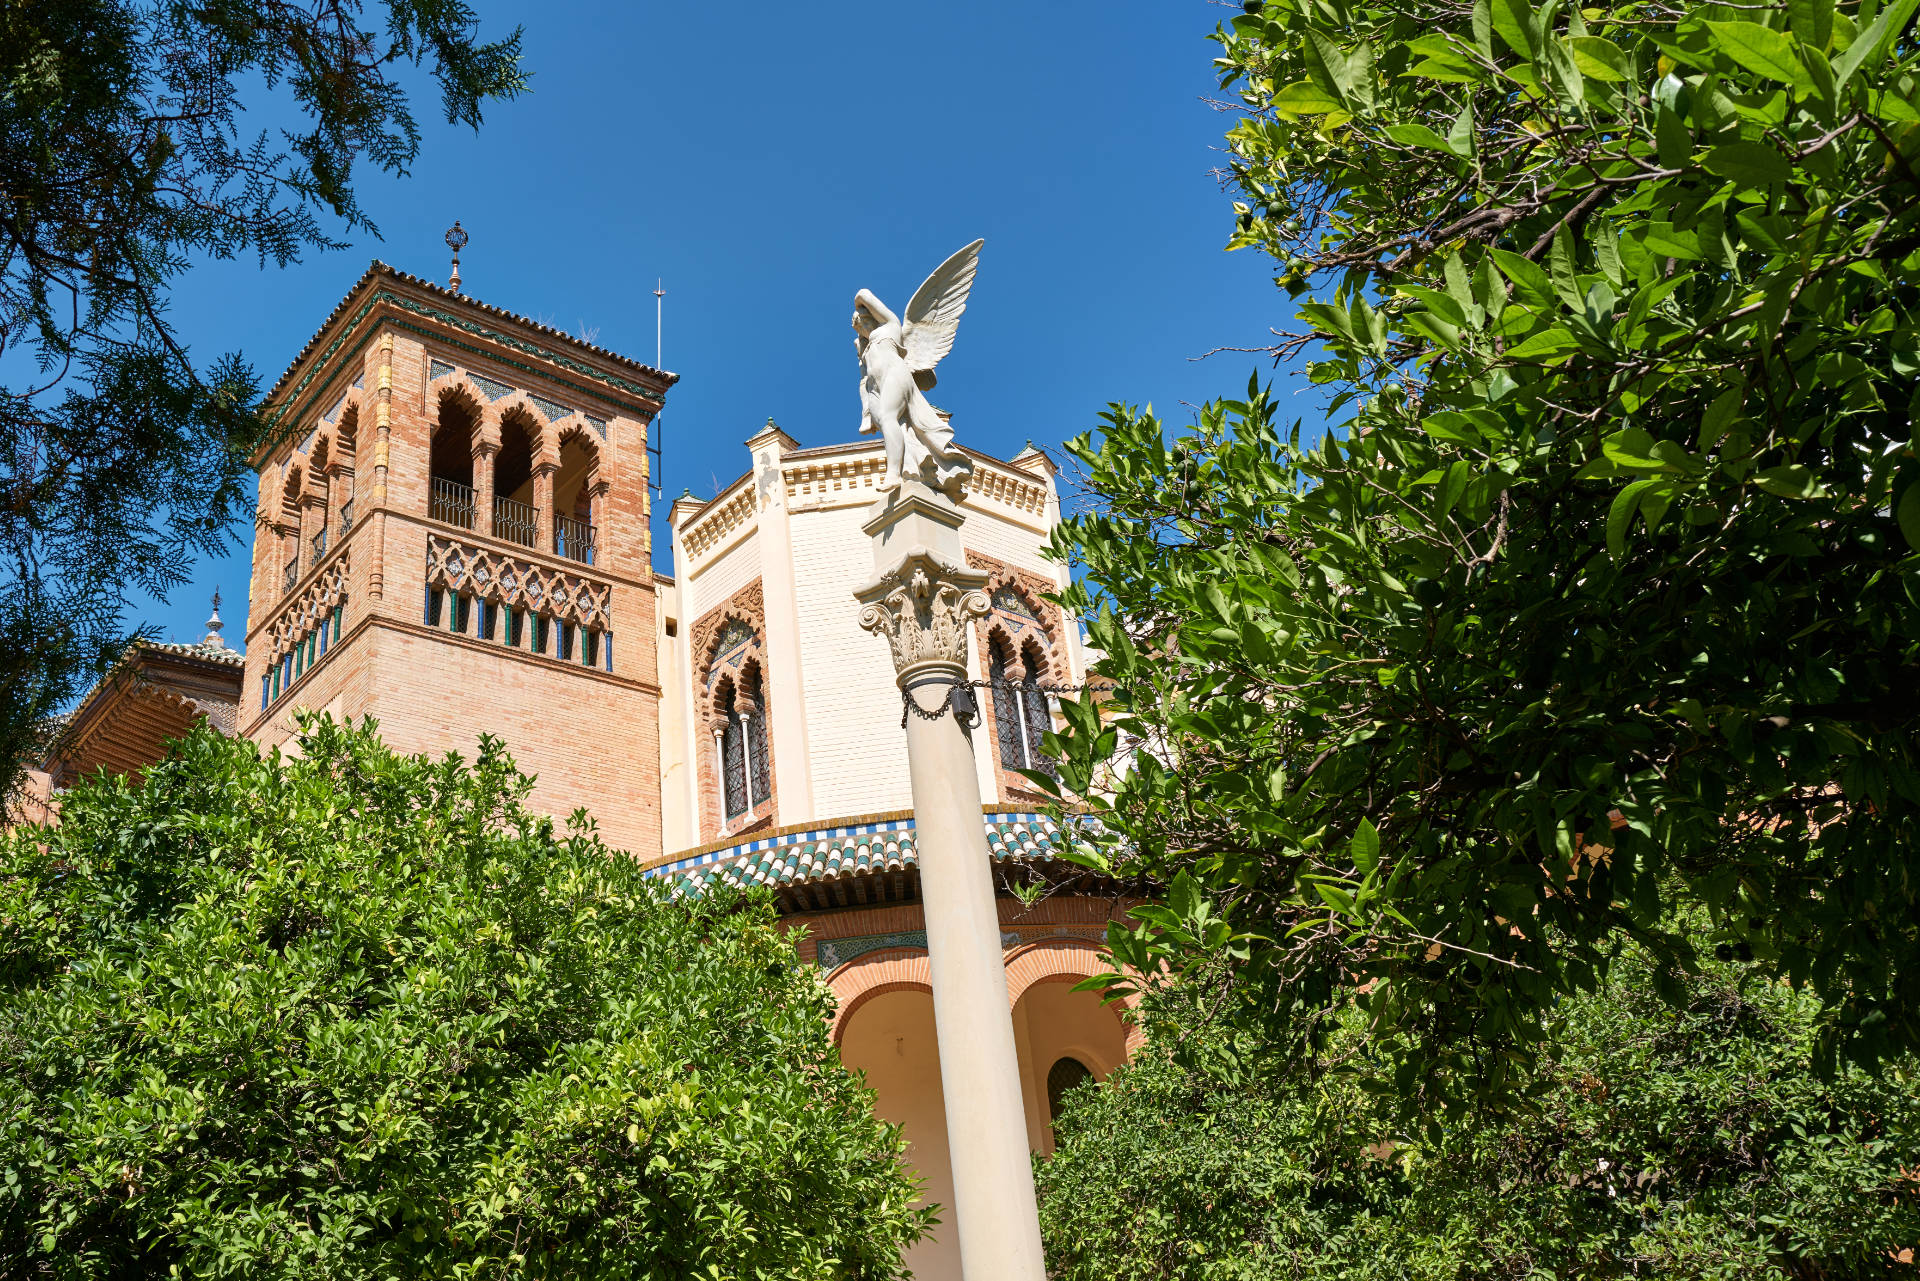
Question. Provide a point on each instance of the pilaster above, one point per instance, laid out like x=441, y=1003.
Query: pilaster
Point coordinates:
x=786, y=691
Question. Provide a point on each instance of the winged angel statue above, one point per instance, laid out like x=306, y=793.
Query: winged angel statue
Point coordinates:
x=896, y=371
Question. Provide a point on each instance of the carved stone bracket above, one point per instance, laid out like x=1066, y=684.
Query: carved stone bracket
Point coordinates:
x=515, y=583
x=923, y=605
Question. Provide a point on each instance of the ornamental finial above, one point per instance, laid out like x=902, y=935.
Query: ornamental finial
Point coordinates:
x=213, y=639
x=456, y=241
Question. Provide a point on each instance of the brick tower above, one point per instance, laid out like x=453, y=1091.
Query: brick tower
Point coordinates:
x=452, y=538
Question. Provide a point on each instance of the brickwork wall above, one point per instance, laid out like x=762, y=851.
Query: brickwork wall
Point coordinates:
x=590, y=738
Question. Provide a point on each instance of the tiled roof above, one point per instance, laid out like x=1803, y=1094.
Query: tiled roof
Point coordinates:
x=380, y=268
x=208, y=653
x=797, y=860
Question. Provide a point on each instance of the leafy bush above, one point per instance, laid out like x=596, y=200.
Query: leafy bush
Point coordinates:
x=361, y=1015
x=1671, y=1142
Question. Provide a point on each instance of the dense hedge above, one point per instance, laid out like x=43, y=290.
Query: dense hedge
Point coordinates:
x=362, y=1015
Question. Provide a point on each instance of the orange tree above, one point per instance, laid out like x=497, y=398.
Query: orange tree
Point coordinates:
x=361, y=1014
x=1598, y=594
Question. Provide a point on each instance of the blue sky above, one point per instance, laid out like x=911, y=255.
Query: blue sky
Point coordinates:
x=766, y=161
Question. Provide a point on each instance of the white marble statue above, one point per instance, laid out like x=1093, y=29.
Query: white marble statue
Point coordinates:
x=896, y=371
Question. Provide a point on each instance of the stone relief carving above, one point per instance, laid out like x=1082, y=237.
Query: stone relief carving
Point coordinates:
x=745, y=606
x=517, y=584
x=923, y=606
x=1020, y=610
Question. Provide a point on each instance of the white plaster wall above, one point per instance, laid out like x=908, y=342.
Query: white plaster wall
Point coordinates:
x=853, y=707
x=721, y=577
x=1006, y=541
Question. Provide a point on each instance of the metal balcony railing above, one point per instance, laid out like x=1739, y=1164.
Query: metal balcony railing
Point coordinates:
x=346, y=517
x=319, y=546
x=573, y=539
x=450, y=502
x=515, y=522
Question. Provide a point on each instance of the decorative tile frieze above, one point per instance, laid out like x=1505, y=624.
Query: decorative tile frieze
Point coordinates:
x=516, y=584
x=862, y=850
x=437, y=368
x=491, y=388
x=312, y=605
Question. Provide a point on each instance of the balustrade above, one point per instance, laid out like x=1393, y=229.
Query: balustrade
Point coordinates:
x=515, y=522
x=573, y=539
x=451, y=503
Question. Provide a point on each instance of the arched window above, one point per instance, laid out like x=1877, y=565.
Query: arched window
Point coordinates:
x=450, y=464
x=746, y=775
x=1020, y=714
x=753, y=708
x=1038, y=717
x=1066, y=1073
x=733, y=753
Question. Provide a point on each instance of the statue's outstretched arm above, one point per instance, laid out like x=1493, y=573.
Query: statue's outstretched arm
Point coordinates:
x=879, y=310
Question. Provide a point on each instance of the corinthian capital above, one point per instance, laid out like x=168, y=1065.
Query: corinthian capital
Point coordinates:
x=922, y=604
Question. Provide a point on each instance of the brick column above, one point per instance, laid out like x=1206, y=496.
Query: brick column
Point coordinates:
x=484, y=451
x=339, y=493
x=543, y=505
x=597, y=518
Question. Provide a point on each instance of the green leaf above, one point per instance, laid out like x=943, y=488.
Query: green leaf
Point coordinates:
x=1753, y=163
x=1304, y=98
x=1515, y=22
x=1418, y=136
x=1460, y=135
x=1761, y=50
x=1366, y=846
x=1812, y=21
x=1346, y=74
x=1526, y=276
x=1560, y=261
x=1620, y=516
x=1672, y=138
x=1665, y=239
x=1908, y=514
x=1547, y=345
x=1789, y=481
x=1600, y=58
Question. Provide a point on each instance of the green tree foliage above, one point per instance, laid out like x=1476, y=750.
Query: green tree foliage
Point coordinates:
x=362, y=1015
x=125, y=156
x=1599, y=591
x=1689, y=1142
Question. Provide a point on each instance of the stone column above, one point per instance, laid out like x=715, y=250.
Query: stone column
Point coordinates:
x=923, y=600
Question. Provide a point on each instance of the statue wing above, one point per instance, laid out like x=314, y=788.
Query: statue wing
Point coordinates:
x=933, y=315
